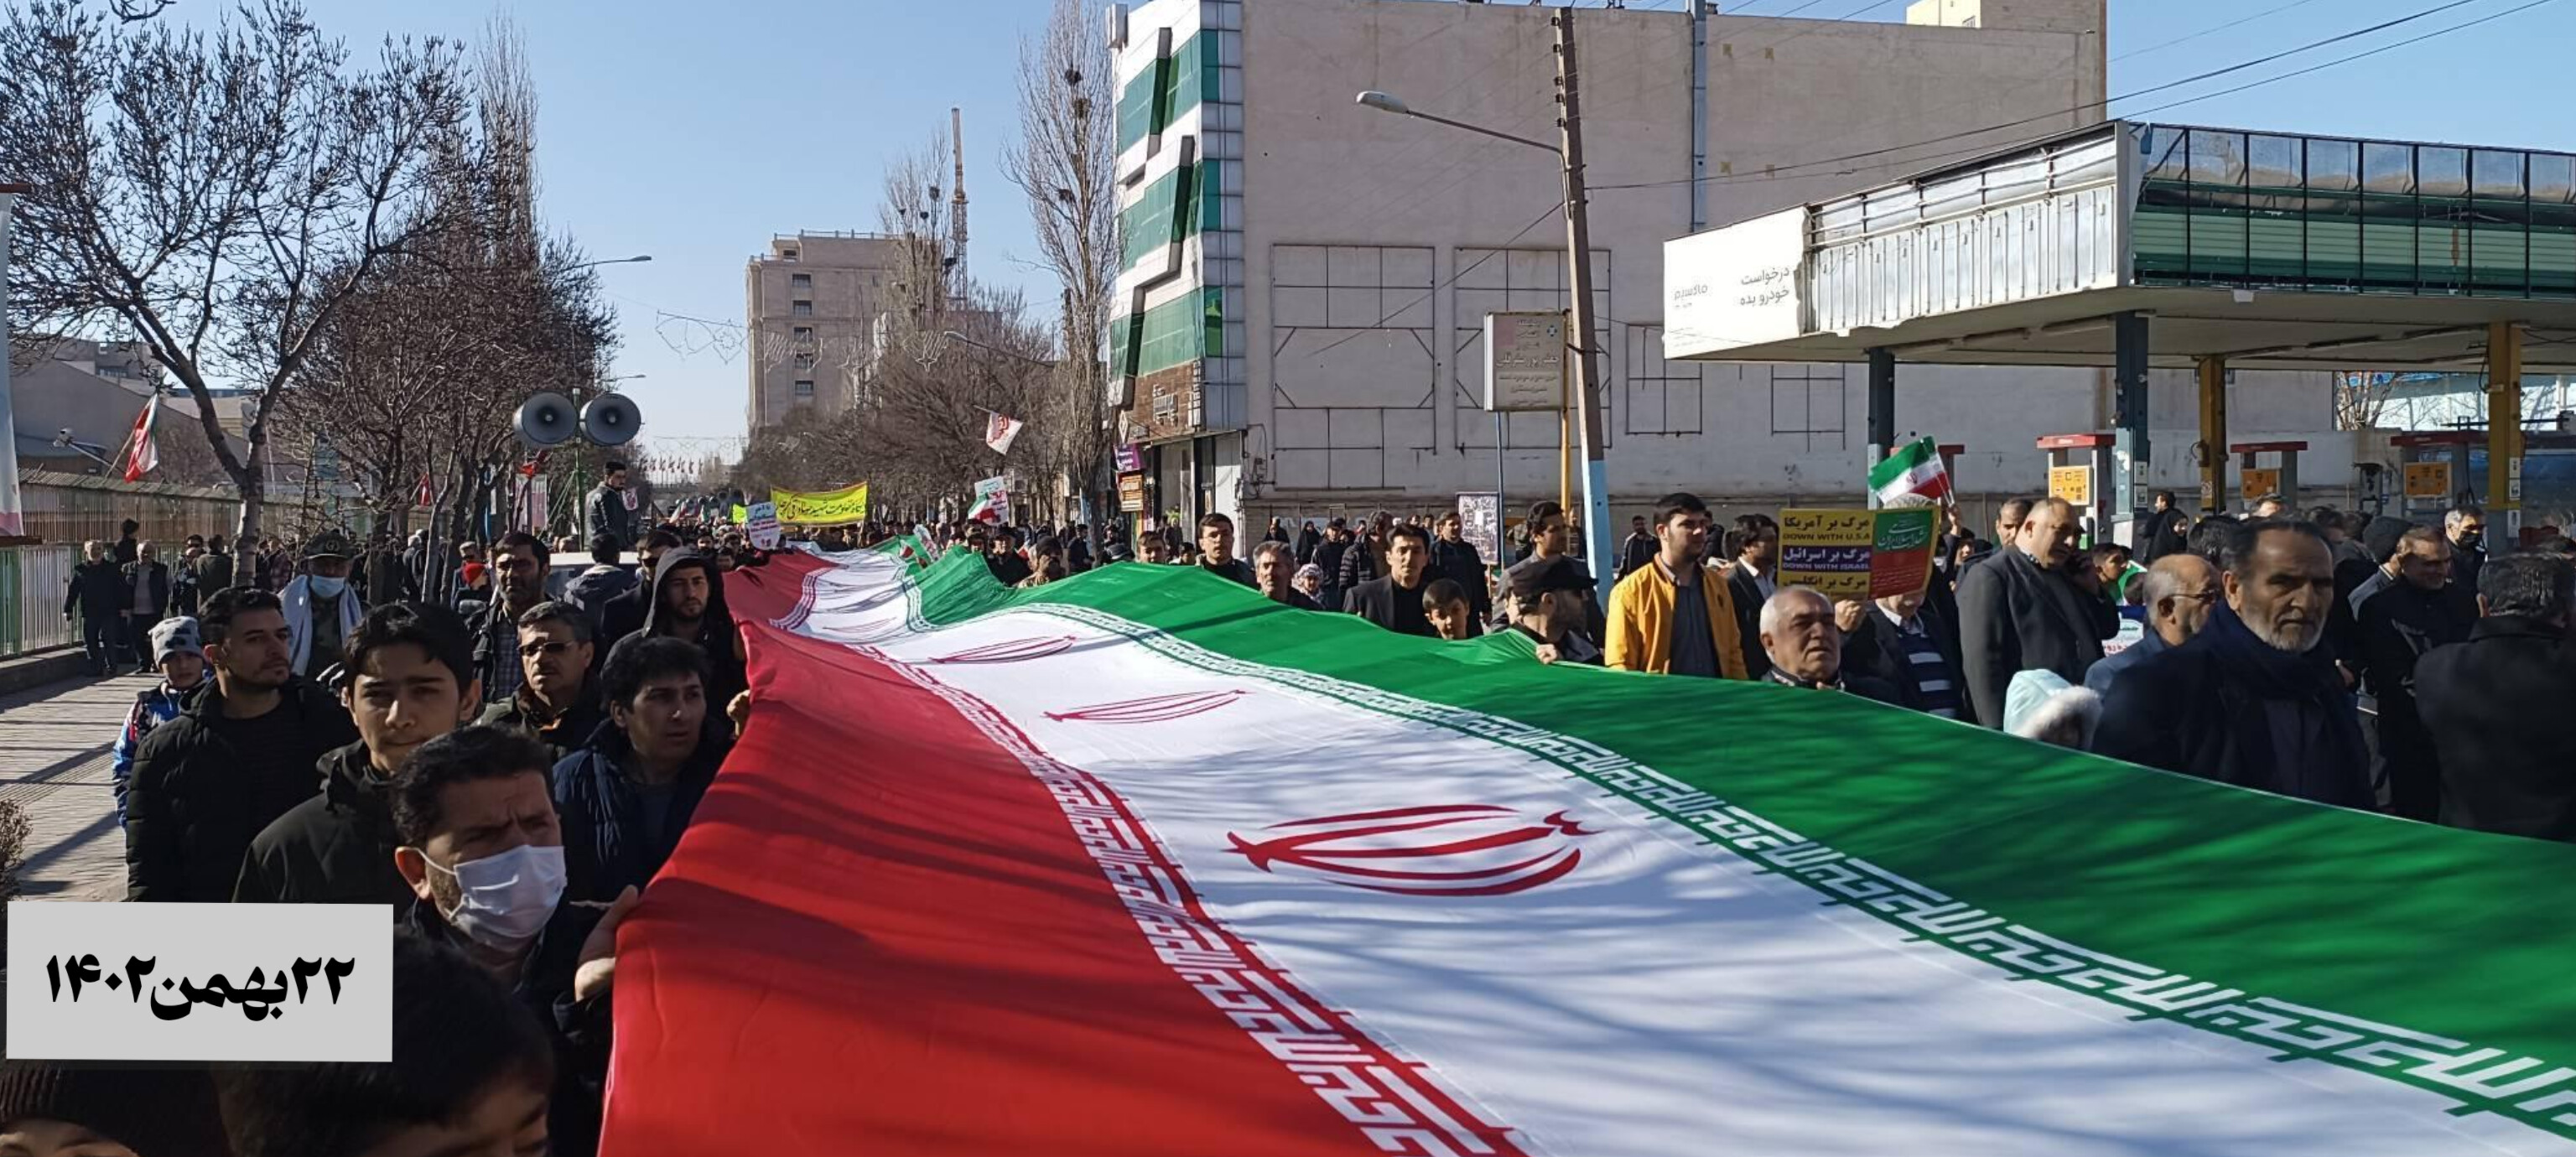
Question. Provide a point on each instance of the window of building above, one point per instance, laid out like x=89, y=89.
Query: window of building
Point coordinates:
x=801, y=282
x=801, y=309
x=804, y=335
x=787, y=255
x=805, y=359
x=805, y=389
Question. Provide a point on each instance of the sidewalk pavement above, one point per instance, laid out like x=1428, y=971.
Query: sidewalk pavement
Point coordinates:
x=55, y=745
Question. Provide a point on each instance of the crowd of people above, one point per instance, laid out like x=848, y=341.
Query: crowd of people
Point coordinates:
x=2369, y=663
x=502, y=752
x=506, y=752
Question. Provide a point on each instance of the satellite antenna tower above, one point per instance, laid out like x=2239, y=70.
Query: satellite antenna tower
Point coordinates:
x=957, y=208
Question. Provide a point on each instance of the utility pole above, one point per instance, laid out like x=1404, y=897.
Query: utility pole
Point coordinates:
x=1587, y=357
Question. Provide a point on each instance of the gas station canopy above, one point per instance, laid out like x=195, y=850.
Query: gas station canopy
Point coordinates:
x=2268, y=251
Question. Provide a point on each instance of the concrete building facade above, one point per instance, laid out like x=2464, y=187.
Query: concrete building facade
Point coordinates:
x=811, y=304
x=1299, y=322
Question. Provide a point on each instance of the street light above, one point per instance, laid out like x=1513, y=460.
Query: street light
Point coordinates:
x=1391, y=103
x=1578, y=264
x=613, y=261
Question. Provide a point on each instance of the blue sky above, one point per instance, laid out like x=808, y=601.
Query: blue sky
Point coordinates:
x=693, y=131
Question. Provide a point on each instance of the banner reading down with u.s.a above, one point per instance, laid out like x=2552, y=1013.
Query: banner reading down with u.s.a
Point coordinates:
x=822, y=507
x=1141, y=864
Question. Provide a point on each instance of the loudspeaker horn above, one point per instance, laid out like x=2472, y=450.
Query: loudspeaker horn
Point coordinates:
x=611, y=420
x=547, y=420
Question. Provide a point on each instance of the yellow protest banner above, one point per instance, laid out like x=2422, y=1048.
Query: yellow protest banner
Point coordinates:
x=822, y=507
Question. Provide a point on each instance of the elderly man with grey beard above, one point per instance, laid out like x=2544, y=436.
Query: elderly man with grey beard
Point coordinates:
x=2252, y=700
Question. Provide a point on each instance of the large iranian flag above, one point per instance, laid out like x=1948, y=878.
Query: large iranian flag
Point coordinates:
x=1141, y=865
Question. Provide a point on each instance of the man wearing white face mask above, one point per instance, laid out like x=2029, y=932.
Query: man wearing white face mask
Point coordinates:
x=483, y=853
x=320, y=608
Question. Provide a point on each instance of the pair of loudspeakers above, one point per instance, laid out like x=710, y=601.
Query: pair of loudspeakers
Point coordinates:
x=549, y=419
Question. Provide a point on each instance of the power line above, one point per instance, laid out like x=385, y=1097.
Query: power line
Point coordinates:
x=2243, y=20
x=1774, y=170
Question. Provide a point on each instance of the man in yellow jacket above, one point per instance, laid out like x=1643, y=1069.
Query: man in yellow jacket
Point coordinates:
x=1675, y=615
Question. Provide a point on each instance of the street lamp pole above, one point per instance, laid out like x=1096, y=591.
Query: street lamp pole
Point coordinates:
x=1578, y=258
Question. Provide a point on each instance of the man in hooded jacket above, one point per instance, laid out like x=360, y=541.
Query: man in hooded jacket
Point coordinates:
x=688, y=603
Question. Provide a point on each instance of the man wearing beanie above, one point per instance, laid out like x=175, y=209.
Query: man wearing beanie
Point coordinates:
x=141, y=1112
x=174, y=650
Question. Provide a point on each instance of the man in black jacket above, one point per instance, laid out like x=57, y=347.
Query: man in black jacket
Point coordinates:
x=240, y=756
x=605, y=512
x=1752, y=582
x=145, y=598
x=1273, y=563
x=2027, y=607
x=1638, y=548
x=1456, y=559
x=1904, y=641
x=411, y=680
x=1806, y=647
x=2496, y=705
x=2399, y=624
x=2467, y=528
x=2254, y=699
x=627, y=796
x=1216, y=550
x=482, y=859
x=1328, y=559
x=558, y=699
x=623, y=614
x=689, y=604
x=1395, y=601
x=96, y=596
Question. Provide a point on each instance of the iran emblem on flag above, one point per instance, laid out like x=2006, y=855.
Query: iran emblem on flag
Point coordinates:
x=1914, y=468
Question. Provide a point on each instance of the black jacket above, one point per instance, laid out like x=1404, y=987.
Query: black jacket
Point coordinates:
x=580, y=1030
x=2015, y=617
x=335, y=848
x=99, y=590
x=214, y=573
x=1459, y=562
x=2399, y=625
x=604, y=512
x=159, y=583
x=2496, y=707
x=1374, y=600
x=1876, y=651
x=1234, y=570
x=562, y=734
x=606, y=848
x=191, y=808
x=1359, y=564
x=1328, y=558
x=1746, y=593
x=715, y=627
x=2215, y=707
x=1636, y=552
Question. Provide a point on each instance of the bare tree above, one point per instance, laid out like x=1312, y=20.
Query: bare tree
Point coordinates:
x=2360, y=398
x=219, y=196
x=1066, y=165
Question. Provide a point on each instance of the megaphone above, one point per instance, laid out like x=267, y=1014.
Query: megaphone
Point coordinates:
x=546, y=420
x=611, y=420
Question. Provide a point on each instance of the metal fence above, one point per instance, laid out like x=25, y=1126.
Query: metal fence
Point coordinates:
x=33, y=583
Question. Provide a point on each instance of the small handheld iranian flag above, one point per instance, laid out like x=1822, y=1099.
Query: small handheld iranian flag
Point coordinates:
x=1914, y=468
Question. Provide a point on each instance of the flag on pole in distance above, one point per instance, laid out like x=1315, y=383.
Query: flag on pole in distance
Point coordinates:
x=1050, y=872
x=141, y=456
x=1913, y=468
x=1001, y=431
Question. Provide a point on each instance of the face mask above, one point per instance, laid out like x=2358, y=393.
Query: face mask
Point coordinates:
x=506, y=898
x=326, y=587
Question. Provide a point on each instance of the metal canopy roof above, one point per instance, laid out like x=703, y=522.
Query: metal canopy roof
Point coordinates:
x=2274, y=251
x=2272, y=330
